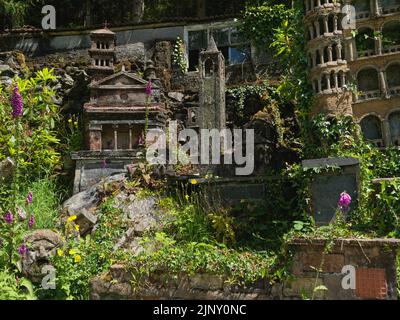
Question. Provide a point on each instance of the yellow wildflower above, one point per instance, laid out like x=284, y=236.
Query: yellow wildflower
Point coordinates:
x=77, y=259
x=193, y=181
x=72, y=252
x=60, y=253
x=72, y=218
x=69, y=120
x=77, y=227
x=187, y=197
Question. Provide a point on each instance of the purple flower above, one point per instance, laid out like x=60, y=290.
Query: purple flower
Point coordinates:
x=344, y=200
x=31, y=221
x=29, y=198
x=16, y=102
x=8, y=217
x=22, y=249
x=149, y=88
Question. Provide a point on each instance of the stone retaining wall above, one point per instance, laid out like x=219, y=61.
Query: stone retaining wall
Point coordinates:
x=374, y=263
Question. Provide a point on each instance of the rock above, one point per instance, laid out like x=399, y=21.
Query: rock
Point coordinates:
x=6, y=169
x=141, y=212
x=42, y=245
x=178, y=96
x=133, y=52
x=84, y=204
x=7, y=71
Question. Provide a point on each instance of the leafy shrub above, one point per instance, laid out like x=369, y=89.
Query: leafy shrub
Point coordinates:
x=37, y=142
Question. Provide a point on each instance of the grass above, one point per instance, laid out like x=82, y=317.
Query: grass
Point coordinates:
x=47, y=197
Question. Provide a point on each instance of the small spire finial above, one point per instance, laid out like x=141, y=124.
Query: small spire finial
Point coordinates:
x=123, y=68
x=212, y=46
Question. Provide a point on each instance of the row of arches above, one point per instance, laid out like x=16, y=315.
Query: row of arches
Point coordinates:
x=375, y=131
x=325, y=25
x=331, y=53
x=311, y=4
x=364, y=8
x=327, y=82
x=373, y=83
x=374, y=42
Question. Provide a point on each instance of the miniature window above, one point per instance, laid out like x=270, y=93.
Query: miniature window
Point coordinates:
x=234, y=48
x=371, y=128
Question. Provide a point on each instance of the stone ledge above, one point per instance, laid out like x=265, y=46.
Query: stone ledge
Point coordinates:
x=394, y=243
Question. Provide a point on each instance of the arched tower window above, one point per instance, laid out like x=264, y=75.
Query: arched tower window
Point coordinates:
x=372, y=129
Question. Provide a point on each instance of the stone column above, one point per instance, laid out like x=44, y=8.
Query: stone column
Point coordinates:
x=311, y=30
x=328, y=81
x=382, y=83
x=336, y=81
x=95, y=143
x=307, y=5
x=319, y=85
x=318, y=3
x=115, y=127
x=339, y=52
x=386, y=133
x=351, y=52
x=326, y=28
x=378, y=46
x=335, y=23
x=343, y=79
x=314, y=59
x=321, y=56
x=330, y=57
x=316, y=25
x=375, y=7
x=130, y=138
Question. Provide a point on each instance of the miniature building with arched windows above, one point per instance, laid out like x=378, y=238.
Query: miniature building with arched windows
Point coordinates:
x=356, y=71
x=116, y=116
x=211, y=113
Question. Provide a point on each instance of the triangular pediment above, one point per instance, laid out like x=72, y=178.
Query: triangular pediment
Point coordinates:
x=121, y=79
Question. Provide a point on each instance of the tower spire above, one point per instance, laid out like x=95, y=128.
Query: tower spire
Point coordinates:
x=212, y=46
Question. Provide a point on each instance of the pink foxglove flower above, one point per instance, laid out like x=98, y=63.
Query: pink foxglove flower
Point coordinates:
x=22, y=249
x=29, y=198
x=16, y=102
x=344, y=201
x=31, y=221
x=9, y=218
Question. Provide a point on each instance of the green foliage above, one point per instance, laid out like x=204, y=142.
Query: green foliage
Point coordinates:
x=13, y=288
x=259, y=22
x=81, y=259
x=238, y=267
x=178, y=55
x=47, y=197
x=37, y=141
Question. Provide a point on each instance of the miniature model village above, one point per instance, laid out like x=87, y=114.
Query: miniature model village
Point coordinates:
x=86, y=215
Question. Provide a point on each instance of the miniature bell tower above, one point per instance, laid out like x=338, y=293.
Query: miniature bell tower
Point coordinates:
x=102, y=53
x=212, y=88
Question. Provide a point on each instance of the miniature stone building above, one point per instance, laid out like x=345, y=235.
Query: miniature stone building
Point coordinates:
x=370, y=59
x=115, y=119
x=102, y=53
x=211, y=113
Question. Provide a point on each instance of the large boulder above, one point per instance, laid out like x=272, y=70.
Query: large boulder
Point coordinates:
x=84, y=204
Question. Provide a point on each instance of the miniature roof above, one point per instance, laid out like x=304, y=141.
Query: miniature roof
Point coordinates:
x=102, y=31
x=212, y=46
x=132, y=77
